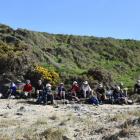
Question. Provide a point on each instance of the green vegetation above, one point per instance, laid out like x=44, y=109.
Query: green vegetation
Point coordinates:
x=72, y=56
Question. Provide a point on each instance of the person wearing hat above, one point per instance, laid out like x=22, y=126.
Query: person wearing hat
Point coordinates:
x=46, y=95
x=48, y=91
x=75, y=89
x=86, y=90
x=118, y=96
x=60, y=91
x=100, y=91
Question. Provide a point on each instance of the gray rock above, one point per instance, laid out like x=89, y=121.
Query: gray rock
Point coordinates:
x=21, y=109
x=66, y=138
x=19, y=114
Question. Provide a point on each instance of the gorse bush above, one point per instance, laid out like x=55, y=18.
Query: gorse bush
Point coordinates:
x=47, y=75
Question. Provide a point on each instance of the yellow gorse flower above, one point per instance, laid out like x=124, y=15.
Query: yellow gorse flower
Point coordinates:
x=49, y=75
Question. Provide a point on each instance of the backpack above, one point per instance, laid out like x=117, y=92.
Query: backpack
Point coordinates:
x=93, y=100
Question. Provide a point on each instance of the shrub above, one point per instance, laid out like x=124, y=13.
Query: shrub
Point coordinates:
x=47, y=75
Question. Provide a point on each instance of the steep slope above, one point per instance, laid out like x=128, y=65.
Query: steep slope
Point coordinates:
x=71, y=55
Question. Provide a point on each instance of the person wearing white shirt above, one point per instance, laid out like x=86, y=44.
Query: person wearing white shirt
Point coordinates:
x=86, y=89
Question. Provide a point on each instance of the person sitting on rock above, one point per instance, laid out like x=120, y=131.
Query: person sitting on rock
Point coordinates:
x=60, y=91
x=12, y=90
x=75, y=89
x=93, y=99
x=48, y=90
x=109, y=94
x=137, y=87
x=27, y=89
x=39, y=89
x=118, y=96
x=86, y=90
x=46, y=95
x=123, y=89
x=100, y=91
x=124, y=95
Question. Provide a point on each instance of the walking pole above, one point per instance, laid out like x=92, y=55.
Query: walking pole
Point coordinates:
x=8, y=104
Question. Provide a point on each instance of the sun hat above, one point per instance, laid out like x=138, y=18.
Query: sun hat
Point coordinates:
x=48, y=85
x=86, y=82
x=28, y=81
x=74, y=82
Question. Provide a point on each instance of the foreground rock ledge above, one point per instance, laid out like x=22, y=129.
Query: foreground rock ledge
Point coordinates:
x=20, y=120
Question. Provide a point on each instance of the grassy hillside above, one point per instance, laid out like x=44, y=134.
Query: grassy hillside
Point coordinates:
x=72, y=56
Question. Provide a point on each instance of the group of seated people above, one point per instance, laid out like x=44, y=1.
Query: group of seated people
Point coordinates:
x=101, y=94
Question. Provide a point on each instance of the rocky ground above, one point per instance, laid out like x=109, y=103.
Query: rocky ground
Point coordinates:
x=23, y=120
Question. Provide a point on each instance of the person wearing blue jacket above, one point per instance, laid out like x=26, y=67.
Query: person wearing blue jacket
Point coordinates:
x=12, y=90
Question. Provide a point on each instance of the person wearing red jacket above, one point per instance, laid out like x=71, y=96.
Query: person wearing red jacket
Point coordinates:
x=75, y=89
x=27, y=88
